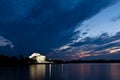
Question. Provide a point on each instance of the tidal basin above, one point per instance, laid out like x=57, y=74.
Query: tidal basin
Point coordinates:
x=78, y=71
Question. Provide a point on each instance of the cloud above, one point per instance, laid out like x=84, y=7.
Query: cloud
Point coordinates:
x=115, y=51
x=5, y=42
x=102, y=45
x=116, y=18
x=41, y=25
x=63, y=48
x=99, y=23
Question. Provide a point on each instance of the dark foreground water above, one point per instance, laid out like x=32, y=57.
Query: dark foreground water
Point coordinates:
x=62, y=72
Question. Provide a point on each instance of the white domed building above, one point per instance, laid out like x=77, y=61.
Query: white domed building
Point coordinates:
x=38, y=57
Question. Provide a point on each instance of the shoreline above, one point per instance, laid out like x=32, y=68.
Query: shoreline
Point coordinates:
x=67, y=62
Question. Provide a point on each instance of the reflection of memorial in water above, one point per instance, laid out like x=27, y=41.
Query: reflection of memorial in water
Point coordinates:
x=37, y=72
x=81, y=71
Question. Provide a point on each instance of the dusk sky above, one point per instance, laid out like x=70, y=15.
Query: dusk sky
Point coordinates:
x=61, y=29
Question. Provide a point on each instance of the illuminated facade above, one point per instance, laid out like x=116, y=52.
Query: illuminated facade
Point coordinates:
x=38, y=57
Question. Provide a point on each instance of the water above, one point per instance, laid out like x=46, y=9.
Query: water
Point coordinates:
x=62, y=72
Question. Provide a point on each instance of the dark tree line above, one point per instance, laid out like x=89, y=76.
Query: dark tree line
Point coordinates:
x=7, y=60
x=21, y=60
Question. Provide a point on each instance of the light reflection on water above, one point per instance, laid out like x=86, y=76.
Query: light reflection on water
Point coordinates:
x=62, y=72
x=37, y=72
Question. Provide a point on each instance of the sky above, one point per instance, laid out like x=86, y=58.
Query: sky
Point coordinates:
x=60, y=29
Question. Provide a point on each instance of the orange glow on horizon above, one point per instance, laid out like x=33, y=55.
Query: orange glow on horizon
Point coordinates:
x=115, y=50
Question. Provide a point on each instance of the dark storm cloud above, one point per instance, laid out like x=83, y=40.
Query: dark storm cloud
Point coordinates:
x=45, y=24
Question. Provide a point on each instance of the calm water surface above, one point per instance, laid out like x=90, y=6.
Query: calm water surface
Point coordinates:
x=62, y=72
